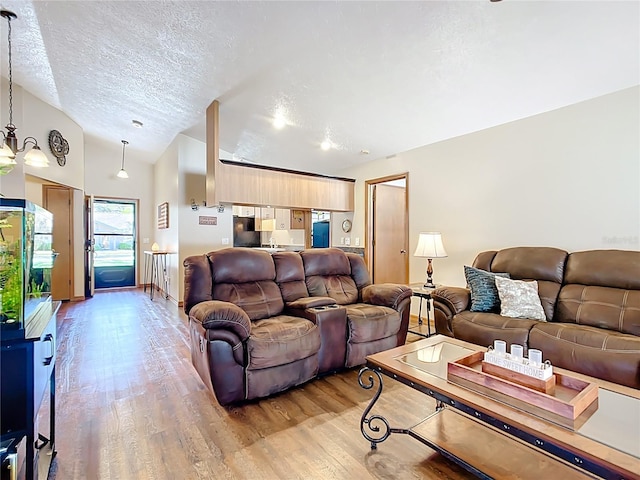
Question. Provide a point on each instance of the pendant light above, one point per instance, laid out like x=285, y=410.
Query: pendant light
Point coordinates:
x=123, y=173
x=34, y=157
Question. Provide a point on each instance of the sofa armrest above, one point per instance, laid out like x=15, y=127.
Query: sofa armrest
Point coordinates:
x=215, y=314
x=447, y=302
x=310, y=302
x=386, y=294
x=457, y=299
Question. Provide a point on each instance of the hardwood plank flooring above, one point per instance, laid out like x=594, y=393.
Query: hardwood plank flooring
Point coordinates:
x=131, y=406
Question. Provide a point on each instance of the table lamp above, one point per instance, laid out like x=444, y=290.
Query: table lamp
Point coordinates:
x=430, y=246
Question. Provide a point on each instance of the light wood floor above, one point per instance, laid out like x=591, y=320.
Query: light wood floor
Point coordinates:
x=131, y=406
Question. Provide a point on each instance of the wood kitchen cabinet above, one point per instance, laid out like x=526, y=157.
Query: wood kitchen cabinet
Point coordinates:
x=243, y=211
x=283, y=219
x=265, y=219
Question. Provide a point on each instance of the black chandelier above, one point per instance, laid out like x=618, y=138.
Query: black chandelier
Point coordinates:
x=34, y=157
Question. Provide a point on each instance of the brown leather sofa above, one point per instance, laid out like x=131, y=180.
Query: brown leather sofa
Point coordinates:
x=591, y=301
x=262, y=323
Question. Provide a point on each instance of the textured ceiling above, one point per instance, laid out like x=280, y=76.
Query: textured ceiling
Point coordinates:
x=378, y=76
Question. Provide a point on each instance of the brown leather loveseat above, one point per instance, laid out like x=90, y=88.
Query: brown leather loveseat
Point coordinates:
x=591, y=301
x=262, y=323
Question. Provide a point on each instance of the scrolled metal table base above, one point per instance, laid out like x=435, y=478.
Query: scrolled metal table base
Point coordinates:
x=376, y=424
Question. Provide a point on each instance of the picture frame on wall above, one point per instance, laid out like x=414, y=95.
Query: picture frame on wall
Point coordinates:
x=163, y=215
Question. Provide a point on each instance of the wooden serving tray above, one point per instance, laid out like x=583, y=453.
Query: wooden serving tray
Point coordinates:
x=571, y=397
x=547, y=386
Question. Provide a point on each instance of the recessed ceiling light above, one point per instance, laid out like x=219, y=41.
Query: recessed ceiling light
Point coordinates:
x=364, y=152
x=279, y=122
x=136, y=123
x=326, y=144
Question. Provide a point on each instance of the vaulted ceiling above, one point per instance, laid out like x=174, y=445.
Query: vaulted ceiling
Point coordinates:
x=377, y=76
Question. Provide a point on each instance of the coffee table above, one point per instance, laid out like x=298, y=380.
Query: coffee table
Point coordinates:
x=494, y=439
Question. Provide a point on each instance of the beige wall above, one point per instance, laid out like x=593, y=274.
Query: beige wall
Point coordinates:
x=105, y=159
x=180, y=175
x=568, y=178
x=34, y=118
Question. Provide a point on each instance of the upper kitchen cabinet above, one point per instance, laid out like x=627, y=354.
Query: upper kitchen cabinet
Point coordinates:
x=243, y=211
x=283, y=219
x=265, y=219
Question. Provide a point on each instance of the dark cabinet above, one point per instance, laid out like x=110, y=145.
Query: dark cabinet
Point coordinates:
x=27, y=400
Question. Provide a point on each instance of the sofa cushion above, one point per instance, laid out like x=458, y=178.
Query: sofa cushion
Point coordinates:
x=290, y=275
x=611, y=308
x=240, y=265
x=483, y=328
x=543, y=264
x=531, y=263
x=281, y=339
x=368, y=322
x=593, y=351
x=484, y=295
x=328, y=274
x=604, y=268
x=259, y=299
x=519, y=299
x=341, y=288
x=325, y=261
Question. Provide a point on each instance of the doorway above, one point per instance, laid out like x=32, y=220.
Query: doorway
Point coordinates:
x=58, y=200
x=111, y=235
x=387, y=226
x=320, y=229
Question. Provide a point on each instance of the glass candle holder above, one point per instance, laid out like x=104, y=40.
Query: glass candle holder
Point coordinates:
x=535, y=356
x=517, y=351
x=500, y=347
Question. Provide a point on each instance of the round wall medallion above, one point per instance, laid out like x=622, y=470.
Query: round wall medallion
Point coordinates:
x=59, y=147
x=346, y=226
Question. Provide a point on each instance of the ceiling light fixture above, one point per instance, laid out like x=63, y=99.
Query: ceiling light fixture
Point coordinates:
x=136, y=123
x=279, y=123
x=34, y=157
x=326, y=144
x=123, y=173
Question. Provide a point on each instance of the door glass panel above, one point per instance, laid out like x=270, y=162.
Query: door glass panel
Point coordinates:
x=113, y=250
x=114, y=243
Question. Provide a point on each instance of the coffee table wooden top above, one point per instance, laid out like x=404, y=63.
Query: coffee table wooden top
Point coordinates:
x=614, y=445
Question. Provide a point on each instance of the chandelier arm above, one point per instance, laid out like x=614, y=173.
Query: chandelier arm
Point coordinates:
x=26, y=141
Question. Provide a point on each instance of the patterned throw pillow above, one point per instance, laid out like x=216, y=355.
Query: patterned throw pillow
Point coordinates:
x=484, y=296
x=519, y=299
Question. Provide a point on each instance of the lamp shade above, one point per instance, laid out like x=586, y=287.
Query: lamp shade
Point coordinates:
x=430, y=245
x=6, y=152
x=36, y=158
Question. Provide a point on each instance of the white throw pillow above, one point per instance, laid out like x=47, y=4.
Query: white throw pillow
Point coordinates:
x=519, y=299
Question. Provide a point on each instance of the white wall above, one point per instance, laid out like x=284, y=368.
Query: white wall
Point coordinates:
x=105, y=160
x=196, y=239
x=569, y=178
x=36, y=119
x=180, y=175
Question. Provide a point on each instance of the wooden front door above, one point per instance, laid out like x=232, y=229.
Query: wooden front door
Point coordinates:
x=389, y=232
x=58, y=200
